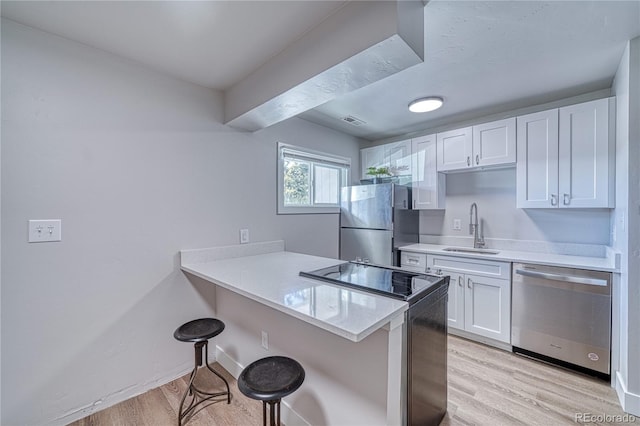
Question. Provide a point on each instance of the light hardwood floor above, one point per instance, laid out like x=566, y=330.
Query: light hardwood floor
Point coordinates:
x=487, y=386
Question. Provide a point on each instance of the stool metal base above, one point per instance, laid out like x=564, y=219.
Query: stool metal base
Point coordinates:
x=198, y=396
x=274, y=418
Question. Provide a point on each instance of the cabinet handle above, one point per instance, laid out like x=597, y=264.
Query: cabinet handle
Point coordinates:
x=477, y=159
x=404, y=204
x=414, y=204
x=554, y=200
x=468, y=161
x=460, y=281
x=566, y=199
x=469, y=282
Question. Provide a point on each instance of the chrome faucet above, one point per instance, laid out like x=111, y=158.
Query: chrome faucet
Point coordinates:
x=478, y=241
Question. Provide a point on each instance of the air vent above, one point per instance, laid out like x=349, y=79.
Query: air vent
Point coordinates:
x=353, y=121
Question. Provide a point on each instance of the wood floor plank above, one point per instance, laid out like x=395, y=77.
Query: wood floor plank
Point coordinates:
x=486, y=386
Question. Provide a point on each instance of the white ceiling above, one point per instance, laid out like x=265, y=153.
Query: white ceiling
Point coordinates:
x=211, y=43
x=481, y=56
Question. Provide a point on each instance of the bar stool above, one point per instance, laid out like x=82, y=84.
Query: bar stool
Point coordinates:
x=199, y=331
x=269, y=380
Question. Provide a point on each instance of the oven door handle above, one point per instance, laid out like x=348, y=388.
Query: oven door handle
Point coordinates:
x=563, y=278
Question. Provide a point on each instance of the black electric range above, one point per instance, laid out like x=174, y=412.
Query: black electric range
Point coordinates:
x=424, y=330
x=387, y=281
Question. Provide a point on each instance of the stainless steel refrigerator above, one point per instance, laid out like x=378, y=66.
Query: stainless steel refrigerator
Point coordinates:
x=374, y=221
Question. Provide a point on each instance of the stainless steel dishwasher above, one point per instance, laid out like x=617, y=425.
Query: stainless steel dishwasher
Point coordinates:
x=562, y=315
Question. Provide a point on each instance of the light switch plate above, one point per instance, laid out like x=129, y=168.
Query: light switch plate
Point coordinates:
x=457, y=226
x=44, y=231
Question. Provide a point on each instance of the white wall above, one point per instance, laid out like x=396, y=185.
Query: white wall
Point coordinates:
x=626, y=225
x=494, y=191
x=138, y=166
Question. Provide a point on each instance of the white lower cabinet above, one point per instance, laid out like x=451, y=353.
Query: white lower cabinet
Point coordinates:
x=479, y=295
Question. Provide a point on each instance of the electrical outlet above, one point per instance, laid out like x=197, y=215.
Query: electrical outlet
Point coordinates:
x=265, y=340
x=244, y=236
x=44, y=231
x=457, y=225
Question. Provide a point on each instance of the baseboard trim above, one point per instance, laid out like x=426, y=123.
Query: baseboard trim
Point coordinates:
x=630, y=402
x=288, y=415
x=480, y=339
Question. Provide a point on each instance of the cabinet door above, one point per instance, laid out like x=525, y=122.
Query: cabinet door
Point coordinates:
x=398, y=156
x=455, y=307
x=537, y=160
x=371, y=157
x=494, y=143
x=488, y=307
x=585, y=171
x=455, y=149
x=428, y=186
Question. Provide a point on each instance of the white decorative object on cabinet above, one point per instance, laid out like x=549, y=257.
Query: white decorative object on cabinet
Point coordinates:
x=566, y=158
x=455, y=149
x=479, y=295
x=428, y=186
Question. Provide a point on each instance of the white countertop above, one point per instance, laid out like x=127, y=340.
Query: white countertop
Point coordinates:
x=607, y=264
x=272, y=279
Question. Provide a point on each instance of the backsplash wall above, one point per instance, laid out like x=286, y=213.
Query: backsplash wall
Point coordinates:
x=494, y=191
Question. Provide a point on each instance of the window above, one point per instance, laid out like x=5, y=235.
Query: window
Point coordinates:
x=310, y=181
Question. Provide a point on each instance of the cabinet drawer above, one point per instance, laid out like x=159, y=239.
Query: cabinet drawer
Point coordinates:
x=417, y=261
x=465, y=265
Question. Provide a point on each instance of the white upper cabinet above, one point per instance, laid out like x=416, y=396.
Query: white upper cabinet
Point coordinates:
x=483, y=145
x=428, y=186
x=455, y=149
x=586, y=169
x=494, y=143
x=537, y=165
x=398, y=157
x=371, y=157
x=565, y=157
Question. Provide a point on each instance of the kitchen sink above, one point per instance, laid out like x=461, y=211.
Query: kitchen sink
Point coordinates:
x=470, y=250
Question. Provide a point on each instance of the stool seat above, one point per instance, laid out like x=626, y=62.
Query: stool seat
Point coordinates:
x=271, y=378
x=199, y=330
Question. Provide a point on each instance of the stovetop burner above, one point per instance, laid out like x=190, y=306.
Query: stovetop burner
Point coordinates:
x=392, y=282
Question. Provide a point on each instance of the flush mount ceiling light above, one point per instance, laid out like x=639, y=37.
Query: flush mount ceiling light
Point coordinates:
x=430, y=103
